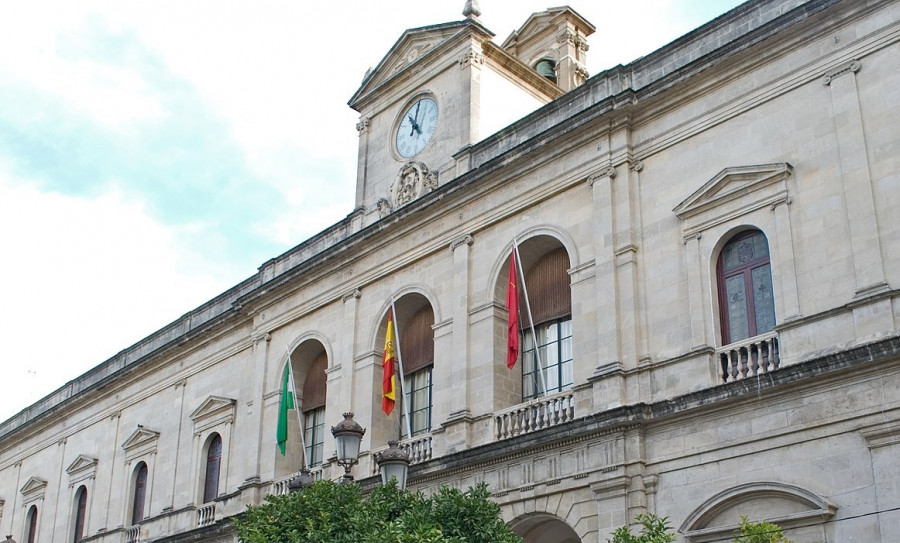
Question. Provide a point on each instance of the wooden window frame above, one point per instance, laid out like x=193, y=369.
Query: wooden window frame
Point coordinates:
x=213, y=468
x=745, y=270
x=80, y=514
x=141, y=475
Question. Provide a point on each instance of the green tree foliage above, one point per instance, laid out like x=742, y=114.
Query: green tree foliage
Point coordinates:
x=759, y=532
x=326, y=512
x=654, y=529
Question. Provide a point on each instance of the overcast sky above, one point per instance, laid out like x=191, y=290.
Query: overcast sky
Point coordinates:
x=155, y=153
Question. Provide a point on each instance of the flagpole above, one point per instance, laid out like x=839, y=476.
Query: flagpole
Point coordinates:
x=401, y=380
x=303, y=465
x=534, y=338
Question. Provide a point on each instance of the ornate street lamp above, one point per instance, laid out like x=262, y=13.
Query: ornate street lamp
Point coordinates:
x=301, y=481
x=394, y=464
x=347, y=437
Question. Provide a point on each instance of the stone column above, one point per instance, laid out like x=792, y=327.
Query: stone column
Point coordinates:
x=256, y=430
x=865, y=242
x=608, y=377
x=870, y=316
x=457, y=423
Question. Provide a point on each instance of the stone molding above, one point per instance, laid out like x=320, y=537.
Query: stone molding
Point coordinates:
x=33, y=490
x=733, y=192
x=214, y=411
x=141, y=442
x=465, y=239
x=608, y=172
x=851, y=67
x=81, y=469
x=882, y=434
x=351, y=295
x=696, y=526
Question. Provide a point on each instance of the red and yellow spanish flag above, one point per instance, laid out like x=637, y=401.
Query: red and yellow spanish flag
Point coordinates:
x=512, y=304
x=389, y=380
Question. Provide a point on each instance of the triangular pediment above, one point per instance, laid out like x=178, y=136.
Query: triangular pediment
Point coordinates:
x=33, y=485
x=213, y=406
x=538, y=24
x=140, y=437
x=414, y=45
x=81, y=464
x=731, y=184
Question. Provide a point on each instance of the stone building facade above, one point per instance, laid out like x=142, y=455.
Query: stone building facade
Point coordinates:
x=711, y=244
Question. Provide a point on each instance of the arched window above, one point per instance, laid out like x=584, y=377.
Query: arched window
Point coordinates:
x=746, y=303
x=80, y=512
x=140, y=493
x=213, y=467
x=417, y=350
x=314, y=389
x=550, y=370
x=31, y=521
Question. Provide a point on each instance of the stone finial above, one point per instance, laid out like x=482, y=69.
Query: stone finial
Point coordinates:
x=471, y=10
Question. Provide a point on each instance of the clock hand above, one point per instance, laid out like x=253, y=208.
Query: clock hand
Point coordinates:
x=415, y=126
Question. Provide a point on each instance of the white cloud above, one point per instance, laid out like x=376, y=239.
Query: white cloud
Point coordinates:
x=84, y=278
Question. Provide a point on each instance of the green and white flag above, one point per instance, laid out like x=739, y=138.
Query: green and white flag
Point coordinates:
x=287, y=403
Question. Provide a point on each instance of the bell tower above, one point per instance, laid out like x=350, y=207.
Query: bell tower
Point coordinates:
x=443, y=87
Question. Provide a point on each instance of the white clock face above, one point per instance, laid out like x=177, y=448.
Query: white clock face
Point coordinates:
x=416, y=127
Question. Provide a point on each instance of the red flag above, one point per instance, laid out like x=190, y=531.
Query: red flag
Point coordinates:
x=388, y=381
x=512, y=304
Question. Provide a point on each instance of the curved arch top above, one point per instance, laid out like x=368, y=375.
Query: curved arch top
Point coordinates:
x=702, y=525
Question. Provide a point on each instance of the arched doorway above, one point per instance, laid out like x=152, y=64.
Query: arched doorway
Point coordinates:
x=544, y=528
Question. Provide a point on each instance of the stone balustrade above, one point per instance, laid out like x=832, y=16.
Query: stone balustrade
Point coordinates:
x=420, y=449
x=206, y=515
x=280, y=486
x=538, y=413
x=748, y=358
x=133, y=534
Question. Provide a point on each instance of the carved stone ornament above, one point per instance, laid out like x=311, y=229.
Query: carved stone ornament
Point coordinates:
x=471, y=57
x=413, y=180
x=384, y=207
x=362, y=125
x=852, y=67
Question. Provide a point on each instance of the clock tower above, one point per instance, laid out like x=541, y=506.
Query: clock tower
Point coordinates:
x=443, y=87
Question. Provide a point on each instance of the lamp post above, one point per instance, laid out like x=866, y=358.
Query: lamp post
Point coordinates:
x=301, y=481
x=347, y=437
x=394, y=464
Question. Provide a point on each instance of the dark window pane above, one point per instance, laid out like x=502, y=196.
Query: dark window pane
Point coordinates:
x=213, y=465
x=80, y=510
x=314, y=435
x=737, y=307
x=140, y=492
x=763, y=299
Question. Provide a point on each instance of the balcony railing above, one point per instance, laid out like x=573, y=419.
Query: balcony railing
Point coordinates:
x=206, y=515
x=418, y=448
x=133, y=534
x=280, y=487
x=748, y=358
x=537, y=414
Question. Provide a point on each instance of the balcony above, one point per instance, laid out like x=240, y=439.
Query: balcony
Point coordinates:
x=537, y=414
x=206, y=515
x=280, y=487
x=419, y=448
x=749, y=358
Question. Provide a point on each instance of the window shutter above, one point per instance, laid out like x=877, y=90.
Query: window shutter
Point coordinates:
x=314, y=386
x=417, y=341
x=548, y=287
